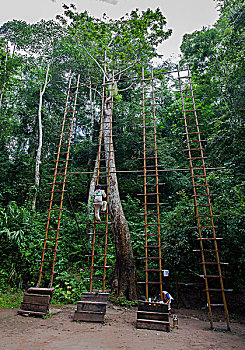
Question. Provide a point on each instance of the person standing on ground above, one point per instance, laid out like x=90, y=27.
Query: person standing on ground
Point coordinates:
x=99, y=194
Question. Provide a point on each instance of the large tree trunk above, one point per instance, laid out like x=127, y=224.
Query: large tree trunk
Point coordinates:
x=92, y=182
x=40, y=139
x=125, y=267
x=89, y=224
x=91, y=135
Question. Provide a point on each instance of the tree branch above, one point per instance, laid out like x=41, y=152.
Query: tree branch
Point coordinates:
x=89, y=54
x=123, y=70
x=126, y=88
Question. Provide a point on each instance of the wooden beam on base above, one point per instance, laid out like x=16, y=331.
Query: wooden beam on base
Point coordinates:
x=153, y=315
x=92, y=307
x=36, y=302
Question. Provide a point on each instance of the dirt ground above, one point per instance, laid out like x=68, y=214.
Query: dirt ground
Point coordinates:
x=59, y=332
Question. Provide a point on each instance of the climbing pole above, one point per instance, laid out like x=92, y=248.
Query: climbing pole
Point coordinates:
x=36, y=300
x=100, y=233
x=206, y=228
x=151, y=195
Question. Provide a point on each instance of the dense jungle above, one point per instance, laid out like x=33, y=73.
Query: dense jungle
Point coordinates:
x=36, y=63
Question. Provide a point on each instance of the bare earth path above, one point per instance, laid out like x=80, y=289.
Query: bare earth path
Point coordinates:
x=59, y=332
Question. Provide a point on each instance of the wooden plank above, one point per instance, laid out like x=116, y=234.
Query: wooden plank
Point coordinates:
x=101, y=297
x=91, y=306
x=34, y=307
x=151, y=306
x=154, y=325
x=146, y=315
x=36, y=299
x=89, y=316
x=43, y=291
x=31, y=313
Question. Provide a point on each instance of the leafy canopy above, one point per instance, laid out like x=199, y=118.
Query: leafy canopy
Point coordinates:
x=126, y=42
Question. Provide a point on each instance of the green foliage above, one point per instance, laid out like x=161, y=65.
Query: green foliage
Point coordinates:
x=80, y=44
x=17, y=244
x=216, y=61
x=10, y=298
x=122, y=301
x=123, y=43
x=21, y=234
x=69, y=287
x=216, y=58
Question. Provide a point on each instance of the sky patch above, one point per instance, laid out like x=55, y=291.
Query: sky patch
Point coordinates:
x=113, y=2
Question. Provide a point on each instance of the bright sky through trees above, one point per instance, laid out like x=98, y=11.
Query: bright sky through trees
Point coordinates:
x=183, y=16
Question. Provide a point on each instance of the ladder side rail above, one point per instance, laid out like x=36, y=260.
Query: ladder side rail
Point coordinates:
x=53, y=185
x=97, y=182
x=64, y=179
x=111, y=90
x=210, y=207
x=195, y=200
x=145, y=187
x=157, y=189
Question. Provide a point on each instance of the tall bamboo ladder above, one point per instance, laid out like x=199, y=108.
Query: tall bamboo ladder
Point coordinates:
x=152, y=223
x=100, y=234
x=202, y=201
x=36, y=301
x=49, y=252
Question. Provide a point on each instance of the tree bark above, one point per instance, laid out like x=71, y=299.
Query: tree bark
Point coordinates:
x=89, y=224
x=40, y=139
x=125, y=266
x=92, y=183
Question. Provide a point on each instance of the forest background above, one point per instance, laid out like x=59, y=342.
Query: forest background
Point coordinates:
x=36, y=60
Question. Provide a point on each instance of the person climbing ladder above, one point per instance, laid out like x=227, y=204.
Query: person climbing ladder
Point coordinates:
x=98, y=202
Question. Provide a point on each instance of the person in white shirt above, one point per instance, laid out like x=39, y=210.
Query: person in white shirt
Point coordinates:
x=167, y=298
x=99, y=194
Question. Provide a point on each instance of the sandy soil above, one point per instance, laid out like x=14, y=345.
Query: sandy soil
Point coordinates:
x=59, y=332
